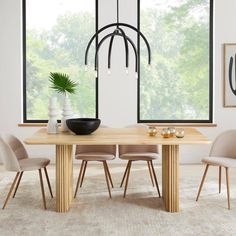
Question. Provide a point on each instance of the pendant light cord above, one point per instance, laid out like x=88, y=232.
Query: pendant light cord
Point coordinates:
x=117, y=11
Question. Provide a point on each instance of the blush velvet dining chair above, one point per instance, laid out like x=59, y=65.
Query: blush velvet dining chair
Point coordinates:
x=133, y=153
x=15, y=158
x=100, y=153
x=222, y=154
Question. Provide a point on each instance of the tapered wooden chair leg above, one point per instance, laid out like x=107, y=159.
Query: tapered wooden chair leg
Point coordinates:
x=227, y=183
x=203, y=179
x=49, y=185
x=42, y=188
x=126, y=169
x=109, y=175
x=127, y=178
x=219, y=179
x=18, y=183
x=79, y=177
x=106, y=175
x=82, y=179
x=150, y=172
x=11, y=189
x=155, y=178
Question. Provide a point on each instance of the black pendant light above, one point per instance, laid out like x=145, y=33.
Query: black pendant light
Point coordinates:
x=127, y=41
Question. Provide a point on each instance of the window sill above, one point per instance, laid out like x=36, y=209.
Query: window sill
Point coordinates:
x=32, y=125
x=154, y=124
x=183, y=124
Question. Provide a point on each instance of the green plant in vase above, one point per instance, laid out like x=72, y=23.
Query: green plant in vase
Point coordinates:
x=61, y=83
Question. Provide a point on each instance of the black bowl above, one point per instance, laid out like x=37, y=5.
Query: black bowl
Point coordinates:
x=83, y=125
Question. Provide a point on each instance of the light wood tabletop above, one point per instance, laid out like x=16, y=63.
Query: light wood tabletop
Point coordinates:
x=116, y=136
x=64, y=142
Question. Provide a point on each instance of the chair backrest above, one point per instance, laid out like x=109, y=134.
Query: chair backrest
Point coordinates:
x=110, y=149
x=8, y=156
x=137, y=148
x=225, y=145
x=16, y=145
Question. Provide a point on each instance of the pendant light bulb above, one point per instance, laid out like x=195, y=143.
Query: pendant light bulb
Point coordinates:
x=85, y=68
x=109, y=71
x=136, y=75
x=149, y=67
x=96, y=74
x=127, y=71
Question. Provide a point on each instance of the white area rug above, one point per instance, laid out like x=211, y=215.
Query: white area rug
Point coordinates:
x=141, y=213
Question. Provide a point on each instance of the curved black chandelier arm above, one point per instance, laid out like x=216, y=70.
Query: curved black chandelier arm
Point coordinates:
x=143, y=37
x=117, y=25
x=112, y=35
x=135, y=51
x=109, y=50
x=134, y=48
x=126, y=48
x=99, y=45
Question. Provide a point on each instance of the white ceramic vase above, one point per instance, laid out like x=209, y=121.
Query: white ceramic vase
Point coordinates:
x=67, y=113
x=52, y=126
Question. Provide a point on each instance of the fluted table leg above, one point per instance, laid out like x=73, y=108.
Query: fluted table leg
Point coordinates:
x=170, y=177
x=64, y=177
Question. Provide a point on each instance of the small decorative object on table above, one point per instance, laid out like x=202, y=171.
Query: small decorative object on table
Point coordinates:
x=67, y=113
x=52, y=126
x=83, y=126
x=179, y=133
x=165, y=133
x=172, y=131
x=62, y=84
x=152, y=130
x=168, y=132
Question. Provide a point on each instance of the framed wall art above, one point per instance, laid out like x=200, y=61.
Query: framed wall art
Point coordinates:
x=230, y=75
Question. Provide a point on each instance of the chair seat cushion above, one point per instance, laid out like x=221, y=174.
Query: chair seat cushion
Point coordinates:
x=139, y=156
x=33, y=163
x=95, y=156
x=220, y=161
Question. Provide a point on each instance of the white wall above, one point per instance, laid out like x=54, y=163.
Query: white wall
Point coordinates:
x=117, y=93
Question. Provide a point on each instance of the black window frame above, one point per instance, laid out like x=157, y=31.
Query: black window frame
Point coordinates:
x=25, y=120
x=208, y=121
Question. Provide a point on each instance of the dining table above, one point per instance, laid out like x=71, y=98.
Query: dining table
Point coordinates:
x=64, y=141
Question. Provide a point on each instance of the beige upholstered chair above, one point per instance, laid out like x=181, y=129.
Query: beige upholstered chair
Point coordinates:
x=222, y=154
x=132, y=153
x=101, y=153
x=15, y=158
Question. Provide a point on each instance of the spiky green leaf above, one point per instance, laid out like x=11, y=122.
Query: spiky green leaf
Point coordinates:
x=61, y=83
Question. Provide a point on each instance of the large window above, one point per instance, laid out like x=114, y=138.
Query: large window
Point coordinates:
x=178, y=88
x=55, y=35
